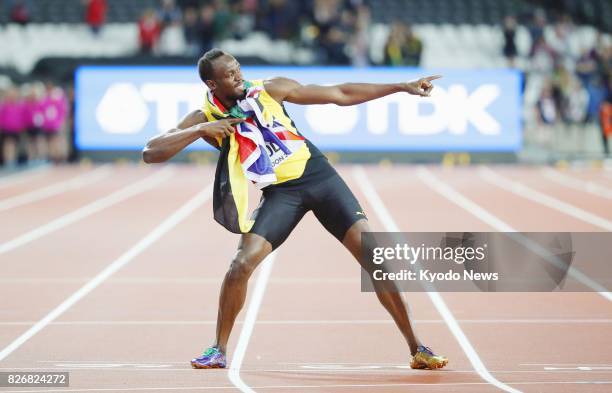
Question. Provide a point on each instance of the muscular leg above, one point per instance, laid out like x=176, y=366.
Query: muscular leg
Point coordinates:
x=252, y=249
x=388, y=294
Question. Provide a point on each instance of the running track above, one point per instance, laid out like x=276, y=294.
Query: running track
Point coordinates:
x=112, y=273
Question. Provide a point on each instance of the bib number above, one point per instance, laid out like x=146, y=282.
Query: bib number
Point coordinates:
x=275, y=154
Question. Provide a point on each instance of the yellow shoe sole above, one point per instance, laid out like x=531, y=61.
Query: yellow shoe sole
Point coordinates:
x=421, y=362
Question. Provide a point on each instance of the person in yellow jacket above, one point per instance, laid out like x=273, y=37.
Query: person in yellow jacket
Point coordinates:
x=304, y=181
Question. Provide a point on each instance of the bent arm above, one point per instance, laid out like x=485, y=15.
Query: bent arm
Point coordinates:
x=284, y=89
x=162, y=147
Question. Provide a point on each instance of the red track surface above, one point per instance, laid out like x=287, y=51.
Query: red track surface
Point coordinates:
x=315, y=330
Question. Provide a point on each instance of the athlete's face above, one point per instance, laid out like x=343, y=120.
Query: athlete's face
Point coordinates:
x=227, y=78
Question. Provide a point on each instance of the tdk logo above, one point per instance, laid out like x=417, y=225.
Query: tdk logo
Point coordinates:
x=124, y=107
x=453, y=110
x=127, y=108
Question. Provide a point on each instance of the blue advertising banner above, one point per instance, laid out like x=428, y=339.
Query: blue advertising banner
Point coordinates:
x=120, y=108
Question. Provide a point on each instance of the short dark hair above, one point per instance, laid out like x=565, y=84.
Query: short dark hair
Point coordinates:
x=205, y=68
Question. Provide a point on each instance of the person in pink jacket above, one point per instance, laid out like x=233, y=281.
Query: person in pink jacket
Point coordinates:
x=34, y=119
x=12, y=124
x=55, y=110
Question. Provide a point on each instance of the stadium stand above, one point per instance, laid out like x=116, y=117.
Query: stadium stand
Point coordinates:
x=53, y=38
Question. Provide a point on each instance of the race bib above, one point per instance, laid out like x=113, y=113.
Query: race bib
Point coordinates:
x=275, y=153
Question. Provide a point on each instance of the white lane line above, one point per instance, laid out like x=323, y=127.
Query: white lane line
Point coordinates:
x=389, y=223
x=373, y=369
x=159, y=231
x=424, y=385
x=75, y=183
x=22, y=176
x=321, y=322
x=249, y=323
x=87, y=210
x=568, y=364
x=577, y=184
x=459, y=199
x=522, y=190
x=171, y=280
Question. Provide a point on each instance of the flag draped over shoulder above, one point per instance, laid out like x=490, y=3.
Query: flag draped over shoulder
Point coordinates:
x=253, y=152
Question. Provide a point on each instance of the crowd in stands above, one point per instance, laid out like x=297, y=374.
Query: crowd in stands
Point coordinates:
x=570, y=84
x=337, y=31
x=34, y=121
x=565, y=83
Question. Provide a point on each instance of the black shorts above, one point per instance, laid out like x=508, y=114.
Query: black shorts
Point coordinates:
x=326, y=194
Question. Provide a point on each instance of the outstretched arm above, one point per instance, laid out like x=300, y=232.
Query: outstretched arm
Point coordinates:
x=284, y=89
x=194, y=126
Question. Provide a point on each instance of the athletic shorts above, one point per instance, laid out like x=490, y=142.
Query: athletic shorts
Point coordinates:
x=326, y=194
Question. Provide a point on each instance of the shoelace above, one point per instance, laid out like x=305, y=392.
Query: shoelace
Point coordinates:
x=210, y=351
x=426, y=350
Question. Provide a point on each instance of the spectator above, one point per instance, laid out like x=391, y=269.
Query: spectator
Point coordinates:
x=359, y=43
x=547, y=110
x=11, y=125
x=34, y=119
x=333, y=45
x=280, y=19
x=206, y=28
x=172, y=39
x=403, y=48
x=95, y=14
x=598, y=92
x=19, y=11
x=509, y=49
x=149, y=28
x=586, y=66
x=190, y=31
x=605, y=120
x=536, y=30
x=168, y=14
x=542, y=57
x=56, y=111
x=244, y=18
x=222, y=20
x=559, y=41
x=561, y=81
x=577, y=100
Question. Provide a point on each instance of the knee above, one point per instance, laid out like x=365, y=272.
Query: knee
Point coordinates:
x=353, y=234
x=242, y=266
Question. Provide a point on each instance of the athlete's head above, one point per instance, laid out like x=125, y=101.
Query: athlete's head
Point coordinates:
x=221, y=73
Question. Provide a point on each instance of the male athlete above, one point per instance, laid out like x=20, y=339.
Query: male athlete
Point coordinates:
x=305, y=182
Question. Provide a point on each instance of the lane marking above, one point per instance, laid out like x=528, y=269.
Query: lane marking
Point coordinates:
x=579, y=368
x=379, y=369
x=249, y=323
x=390, y=226
x=87, y=210
x=341, y=386
x=169, y=280
x=320, y=322
x=472, y=207
x=169, y=223
x=22, y=176
x=567, y=364
x=526, y=192
x=577, y=184
x=71, y=184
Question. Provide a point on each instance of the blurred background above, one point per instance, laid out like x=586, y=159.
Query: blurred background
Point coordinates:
x=524, y=81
